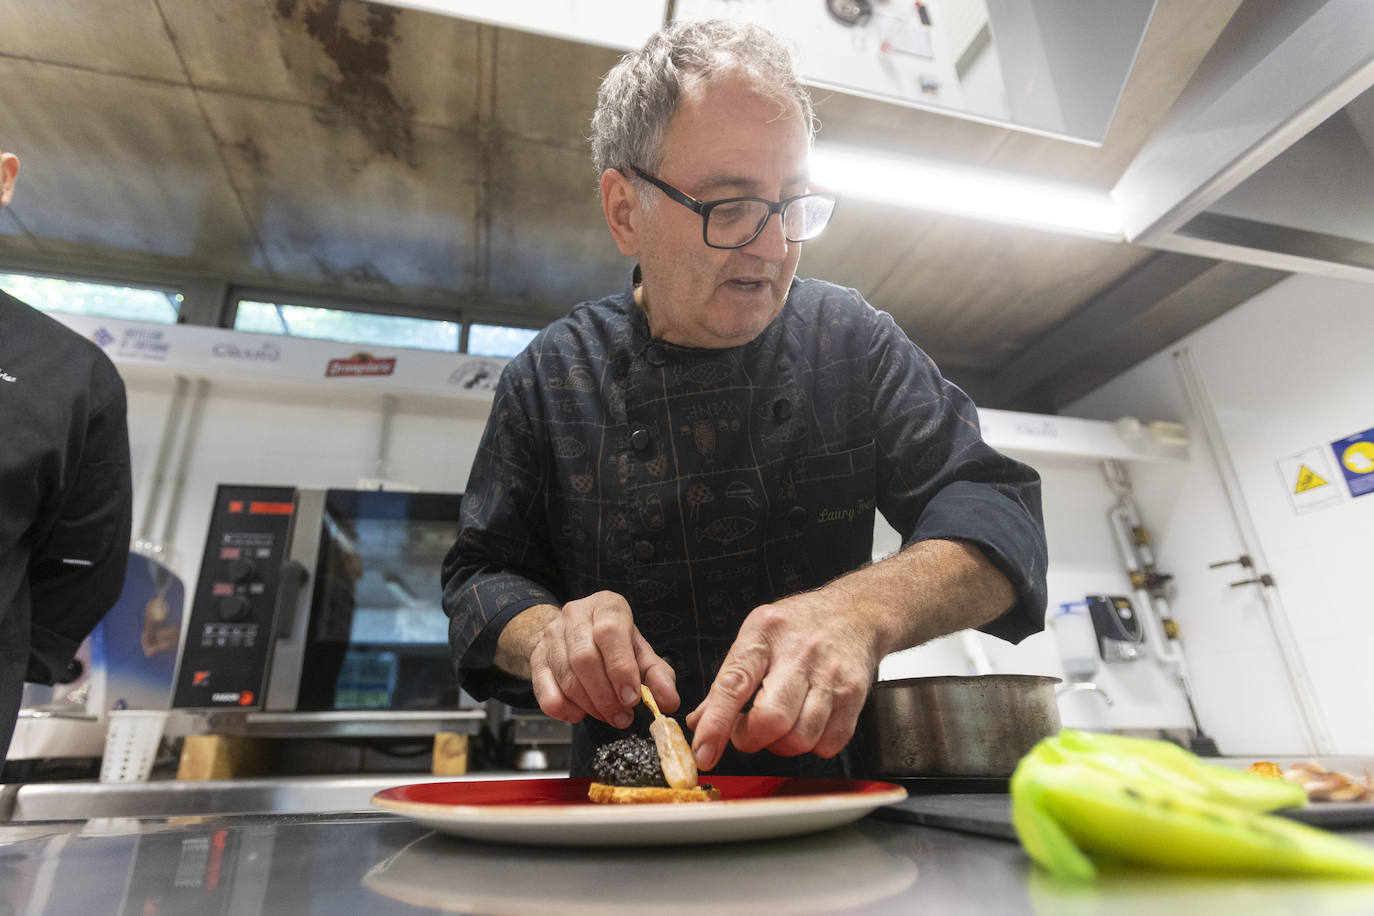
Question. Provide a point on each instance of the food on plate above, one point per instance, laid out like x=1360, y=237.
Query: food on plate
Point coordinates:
x=1322, y=784
x=603, y=794
x=629, y=772
x=1265, y=768
x=674, y=753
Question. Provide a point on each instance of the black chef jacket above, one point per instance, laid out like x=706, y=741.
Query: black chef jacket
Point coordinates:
x=65, y=497
x=701, y=483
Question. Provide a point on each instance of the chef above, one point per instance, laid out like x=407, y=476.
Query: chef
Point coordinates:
x=677, y=482
x=65, y=492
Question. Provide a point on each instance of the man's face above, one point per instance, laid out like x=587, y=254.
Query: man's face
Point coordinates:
x=726, y=140
x=9, y=167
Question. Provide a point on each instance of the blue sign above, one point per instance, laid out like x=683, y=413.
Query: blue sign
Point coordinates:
x=1355, y=454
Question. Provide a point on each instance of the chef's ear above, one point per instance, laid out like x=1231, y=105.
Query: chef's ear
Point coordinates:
x=620, y=204
x=9, y=167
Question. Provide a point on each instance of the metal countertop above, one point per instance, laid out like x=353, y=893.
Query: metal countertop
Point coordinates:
x=382, y=864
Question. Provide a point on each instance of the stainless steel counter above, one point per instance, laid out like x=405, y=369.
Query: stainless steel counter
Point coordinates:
x=80, y=800
x=381, y=864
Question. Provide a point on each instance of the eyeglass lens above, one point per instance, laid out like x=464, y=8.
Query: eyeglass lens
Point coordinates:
x=737, y=223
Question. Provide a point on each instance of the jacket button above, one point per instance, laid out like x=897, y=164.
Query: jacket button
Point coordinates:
x=655, y=356
x=796, y=516
x=782, y=408
x=644, y=551
x=639, y=439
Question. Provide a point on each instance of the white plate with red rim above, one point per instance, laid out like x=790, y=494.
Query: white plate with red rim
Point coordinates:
x=557, y=812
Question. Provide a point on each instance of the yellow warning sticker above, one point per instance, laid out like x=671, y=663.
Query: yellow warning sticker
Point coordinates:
x=1308, y=479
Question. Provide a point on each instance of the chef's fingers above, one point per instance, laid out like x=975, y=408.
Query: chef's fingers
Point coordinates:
x=558, y=642
x=786, y=721
x=597, y=636
x=657, y=675
x=613, y=631
x=714, y=720
x=553, y=699
x=844, y=718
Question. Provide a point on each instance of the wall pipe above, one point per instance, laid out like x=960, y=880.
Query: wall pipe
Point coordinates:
x=1133, y=543
x=144, y=543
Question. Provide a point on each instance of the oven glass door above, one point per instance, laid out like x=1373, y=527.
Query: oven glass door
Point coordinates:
x=378, y=636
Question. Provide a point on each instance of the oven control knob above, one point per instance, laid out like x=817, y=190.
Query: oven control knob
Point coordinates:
x=241, y=570
x=233, y=607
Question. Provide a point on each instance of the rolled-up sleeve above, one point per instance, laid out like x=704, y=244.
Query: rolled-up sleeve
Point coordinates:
x=501, y=563
x=938, y=479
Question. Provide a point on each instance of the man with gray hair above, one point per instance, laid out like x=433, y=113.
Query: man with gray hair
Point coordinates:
x=65, y=492
x=677, y=483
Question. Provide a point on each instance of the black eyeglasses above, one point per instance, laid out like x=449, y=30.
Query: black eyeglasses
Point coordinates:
x=736, y=221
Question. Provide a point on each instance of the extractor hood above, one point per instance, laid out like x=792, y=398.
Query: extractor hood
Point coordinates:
x=1267, y=158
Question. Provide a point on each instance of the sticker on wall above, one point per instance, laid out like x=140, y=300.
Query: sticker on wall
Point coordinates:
x=1309, y=478
x=1356, y=456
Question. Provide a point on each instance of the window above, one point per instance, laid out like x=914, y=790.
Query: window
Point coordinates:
x=84, y=297
x=497, y=339
x=346, y=325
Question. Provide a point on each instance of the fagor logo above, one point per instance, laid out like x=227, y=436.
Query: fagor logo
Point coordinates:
x=239, y=697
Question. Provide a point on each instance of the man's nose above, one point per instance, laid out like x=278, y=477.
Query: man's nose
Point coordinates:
x=770, y=244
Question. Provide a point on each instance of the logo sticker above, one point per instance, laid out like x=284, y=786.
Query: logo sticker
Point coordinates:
x=476, y=376
x=265, y=352
x=360, y=364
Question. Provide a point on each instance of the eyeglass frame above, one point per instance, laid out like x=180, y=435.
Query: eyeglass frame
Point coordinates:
x=704, y=207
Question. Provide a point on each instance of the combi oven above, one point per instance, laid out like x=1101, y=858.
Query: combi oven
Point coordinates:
x=321, y=600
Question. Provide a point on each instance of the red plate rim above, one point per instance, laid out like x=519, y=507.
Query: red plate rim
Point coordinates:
x=557, y=791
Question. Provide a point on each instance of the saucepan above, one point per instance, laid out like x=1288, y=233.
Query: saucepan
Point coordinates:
x=978, y=726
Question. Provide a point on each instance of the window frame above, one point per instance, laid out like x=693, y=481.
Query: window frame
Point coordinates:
x=113, y=280
x=344, y=303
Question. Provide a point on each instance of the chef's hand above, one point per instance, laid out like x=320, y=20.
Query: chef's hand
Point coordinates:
x=589, y=659
x=807, y=665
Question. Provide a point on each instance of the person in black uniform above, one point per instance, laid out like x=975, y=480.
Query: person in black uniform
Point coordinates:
x=677, y=484
x=65, y=492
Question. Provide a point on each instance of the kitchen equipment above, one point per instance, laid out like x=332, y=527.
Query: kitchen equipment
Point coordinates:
x=1120, y=633
x=1076, y=638
x=325, y=601
x=955, y=726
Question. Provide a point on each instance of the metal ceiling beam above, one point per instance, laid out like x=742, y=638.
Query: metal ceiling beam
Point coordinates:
x=1104, y=318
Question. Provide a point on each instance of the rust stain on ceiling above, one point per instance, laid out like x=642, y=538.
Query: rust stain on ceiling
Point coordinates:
x=358, y=39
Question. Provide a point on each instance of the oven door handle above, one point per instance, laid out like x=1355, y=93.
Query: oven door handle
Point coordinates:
x=292, y=576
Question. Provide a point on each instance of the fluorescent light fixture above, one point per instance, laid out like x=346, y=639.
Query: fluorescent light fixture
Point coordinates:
x=977, y=193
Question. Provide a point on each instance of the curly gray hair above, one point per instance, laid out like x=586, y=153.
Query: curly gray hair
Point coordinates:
x=640, y=95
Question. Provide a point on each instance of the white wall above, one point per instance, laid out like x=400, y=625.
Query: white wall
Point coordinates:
x=1291, y=369
x=1083, y=561
x=287, y=435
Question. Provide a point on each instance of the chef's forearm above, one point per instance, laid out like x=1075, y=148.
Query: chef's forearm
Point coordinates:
x=520, y=636
x=927, y=590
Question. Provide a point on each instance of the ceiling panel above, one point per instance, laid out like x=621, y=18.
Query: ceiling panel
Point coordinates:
x=1026, y=281
x=127, y=37
x=545, y=89
x=118, y=165
x=549, y=245
x=328, y=207
x=386, y=71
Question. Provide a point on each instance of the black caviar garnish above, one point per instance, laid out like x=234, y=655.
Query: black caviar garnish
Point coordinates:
x=628, y=762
